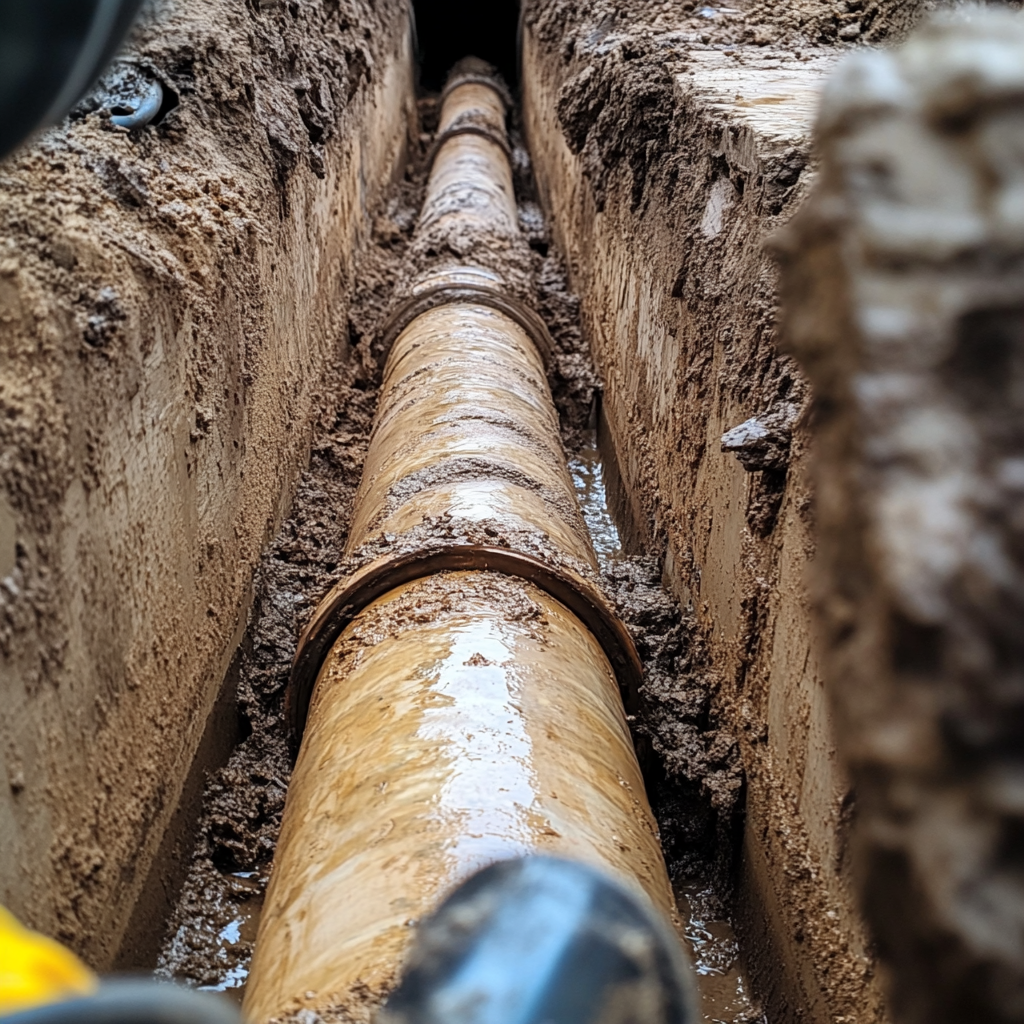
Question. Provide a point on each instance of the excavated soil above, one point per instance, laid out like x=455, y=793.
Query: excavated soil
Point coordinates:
x=253, y=96
x=164, y=313
x=672, y=140
x=697, y=777
x=920, y=570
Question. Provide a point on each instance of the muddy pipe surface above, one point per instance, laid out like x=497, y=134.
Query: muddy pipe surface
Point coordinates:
x=457, y=717
x=461, y=719
x=467, y=428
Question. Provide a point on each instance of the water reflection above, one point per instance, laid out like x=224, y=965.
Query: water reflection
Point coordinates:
x=724, y=996
x=588, y=478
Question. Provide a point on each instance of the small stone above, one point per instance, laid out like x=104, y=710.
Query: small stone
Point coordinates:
x=762, y=442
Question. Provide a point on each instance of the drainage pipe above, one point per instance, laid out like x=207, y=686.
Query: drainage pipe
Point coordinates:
x=459, y=698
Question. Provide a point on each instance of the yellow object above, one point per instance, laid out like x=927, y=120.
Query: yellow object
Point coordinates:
x=35, y=970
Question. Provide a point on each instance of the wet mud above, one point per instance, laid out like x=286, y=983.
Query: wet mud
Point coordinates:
x=695, y=793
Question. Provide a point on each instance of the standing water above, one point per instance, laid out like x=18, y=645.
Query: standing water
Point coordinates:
x=711, y=942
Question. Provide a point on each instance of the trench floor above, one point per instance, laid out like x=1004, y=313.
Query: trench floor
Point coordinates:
x=711, y=942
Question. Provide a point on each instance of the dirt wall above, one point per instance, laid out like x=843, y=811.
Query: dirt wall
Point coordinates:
x=903, y=278
x=667, y=147
x=169, y=300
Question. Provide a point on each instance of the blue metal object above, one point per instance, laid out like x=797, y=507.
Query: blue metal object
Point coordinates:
x=544, y=941
x=148, y=106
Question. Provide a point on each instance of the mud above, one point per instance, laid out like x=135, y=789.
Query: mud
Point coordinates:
x=912, y=336
x=155, y=414
x=170, y=295
x=695, y=793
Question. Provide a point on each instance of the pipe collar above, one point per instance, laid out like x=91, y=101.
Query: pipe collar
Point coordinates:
x=349, y=597
x=447, y=292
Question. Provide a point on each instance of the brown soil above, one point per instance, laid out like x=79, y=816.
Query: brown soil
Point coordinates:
x=106, y=238
x=920, y=573
x=697, y=774
x=697, y=784
x=666, y=177
x=168, y=297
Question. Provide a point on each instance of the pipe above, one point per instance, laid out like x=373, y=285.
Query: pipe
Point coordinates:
x=467, y=427
x=458, y=695
x=127, y=1001
x=461, y=719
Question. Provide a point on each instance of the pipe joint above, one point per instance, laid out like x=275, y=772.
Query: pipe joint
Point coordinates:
x=441, y=294
x=349, y=597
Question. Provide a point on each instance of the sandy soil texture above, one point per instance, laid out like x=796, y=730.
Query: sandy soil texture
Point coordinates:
x=171, y=297
x=913, y=340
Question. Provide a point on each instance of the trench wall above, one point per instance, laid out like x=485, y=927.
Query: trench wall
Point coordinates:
x=169, y=300
x=662, y=186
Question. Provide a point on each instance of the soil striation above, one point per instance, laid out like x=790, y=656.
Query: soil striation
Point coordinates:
x=169, y=296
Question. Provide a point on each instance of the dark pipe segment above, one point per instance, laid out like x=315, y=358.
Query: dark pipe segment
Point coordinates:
x=51, y=52
x=134, y=1002
x=540, y=940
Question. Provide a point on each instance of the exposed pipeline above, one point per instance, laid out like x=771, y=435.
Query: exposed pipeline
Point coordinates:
x=459, y=697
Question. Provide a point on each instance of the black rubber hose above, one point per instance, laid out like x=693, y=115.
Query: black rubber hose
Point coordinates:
x=134, y=1002
x=51, y=52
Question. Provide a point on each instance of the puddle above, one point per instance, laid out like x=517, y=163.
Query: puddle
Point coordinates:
x=229, y=931
x=587, y=471
x=714, y=950
x=713, y=947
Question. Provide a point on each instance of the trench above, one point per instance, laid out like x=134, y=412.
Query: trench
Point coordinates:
x=197, y=317
x=217, y=922
x=211, y=931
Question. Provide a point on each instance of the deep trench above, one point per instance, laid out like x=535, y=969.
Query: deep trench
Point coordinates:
x=208, y=938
